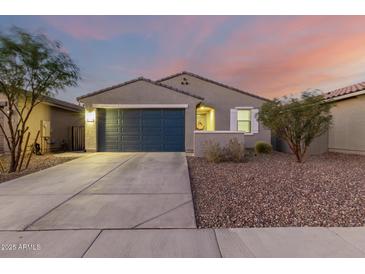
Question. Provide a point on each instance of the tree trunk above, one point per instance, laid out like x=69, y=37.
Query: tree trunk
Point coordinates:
x=298, y=156
x=13, y=162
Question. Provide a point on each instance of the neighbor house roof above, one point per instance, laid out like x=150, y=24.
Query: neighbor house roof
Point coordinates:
x=61, y=104
x=139, y=79
x=211, y=81
x=349, y=91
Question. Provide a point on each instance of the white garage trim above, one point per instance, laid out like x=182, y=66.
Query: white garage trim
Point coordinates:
x=140, y=106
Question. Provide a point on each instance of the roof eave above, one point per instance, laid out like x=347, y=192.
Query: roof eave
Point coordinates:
x=135, y=80
x=61, y=104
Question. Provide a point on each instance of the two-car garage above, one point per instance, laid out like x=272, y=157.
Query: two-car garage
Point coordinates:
x=141, y=129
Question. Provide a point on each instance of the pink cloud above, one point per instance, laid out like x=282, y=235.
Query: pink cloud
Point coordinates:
x=301, y=54
x=271, y=56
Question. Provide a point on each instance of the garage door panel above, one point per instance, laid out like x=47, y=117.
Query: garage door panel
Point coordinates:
x=173, y=147
x=152, y=131
x=131, y=138
x=131, y=148
x=156, y=123
x=130, y=114
x=157, y=139
x=174, y=131
x=126, y=122
x=174, y=123
x=141, y=130
x=152, y=114
x=152, y=147
x=173, y=113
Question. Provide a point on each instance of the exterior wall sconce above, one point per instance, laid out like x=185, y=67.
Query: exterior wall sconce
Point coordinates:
x=90, y=116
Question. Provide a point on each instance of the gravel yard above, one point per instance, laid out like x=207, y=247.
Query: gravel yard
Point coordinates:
x=274, y=190
x=38, y=162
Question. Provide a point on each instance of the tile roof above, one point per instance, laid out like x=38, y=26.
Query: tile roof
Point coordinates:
x=345, y=91
x=211, y=81
x=135, y=80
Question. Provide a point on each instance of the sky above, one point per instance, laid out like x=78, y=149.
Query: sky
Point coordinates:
x=270, y=56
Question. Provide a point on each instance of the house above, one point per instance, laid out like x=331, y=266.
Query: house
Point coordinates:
x=347, y=133
x=54, y=120
x=162, y=115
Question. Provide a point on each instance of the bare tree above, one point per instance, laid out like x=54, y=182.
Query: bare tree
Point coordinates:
x=31, y=67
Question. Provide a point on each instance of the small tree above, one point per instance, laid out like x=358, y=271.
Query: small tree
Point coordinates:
x=31, y=67
x=297, y=120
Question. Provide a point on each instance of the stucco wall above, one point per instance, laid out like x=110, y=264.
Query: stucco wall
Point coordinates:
x=61, y=121
x=318, y=146
x=142, y=92
x=347, y=133
x=222, y=100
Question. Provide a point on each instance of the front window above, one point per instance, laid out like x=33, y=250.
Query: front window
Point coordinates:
x=244, y=120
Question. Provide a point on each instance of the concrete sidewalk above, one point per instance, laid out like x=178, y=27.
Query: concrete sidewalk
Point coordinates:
x=195, y=243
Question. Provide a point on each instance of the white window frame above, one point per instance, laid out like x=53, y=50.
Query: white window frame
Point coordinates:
x=254, y=122
x=245, y=108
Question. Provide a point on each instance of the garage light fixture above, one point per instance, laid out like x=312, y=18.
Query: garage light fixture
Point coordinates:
x=90, y=116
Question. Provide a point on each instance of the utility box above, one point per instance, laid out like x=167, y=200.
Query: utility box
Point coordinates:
x=45, y=129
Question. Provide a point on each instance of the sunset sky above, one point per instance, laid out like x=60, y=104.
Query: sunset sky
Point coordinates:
x=266, y=55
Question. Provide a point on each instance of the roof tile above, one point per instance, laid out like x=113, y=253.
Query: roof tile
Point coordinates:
x=345, y=90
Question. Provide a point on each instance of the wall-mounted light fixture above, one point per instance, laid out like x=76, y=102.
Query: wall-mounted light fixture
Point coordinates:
x=90, y=116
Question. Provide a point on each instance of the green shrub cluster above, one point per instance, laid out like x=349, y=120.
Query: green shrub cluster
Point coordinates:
x=263, y=147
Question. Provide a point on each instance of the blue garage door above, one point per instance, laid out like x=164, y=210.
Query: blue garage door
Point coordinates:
x=141, y=130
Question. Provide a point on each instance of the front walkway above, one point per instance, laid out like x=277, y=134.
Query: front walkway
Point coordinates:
x=138, y=205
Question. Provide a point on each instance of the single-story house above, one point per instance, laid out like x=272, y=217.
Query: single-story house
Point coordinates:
x=164, y=115
x=347, y=133
x=54, y=119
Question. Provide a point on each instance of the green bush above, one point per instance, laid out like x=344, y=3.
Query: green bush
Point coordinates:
x=213, y=152
x=234, y=151
x=263, y=147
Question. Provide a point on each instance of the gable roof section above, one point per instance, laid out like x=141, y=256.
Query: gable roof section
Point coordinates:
x=136, y=80
x=346, y=92
x=211, y=81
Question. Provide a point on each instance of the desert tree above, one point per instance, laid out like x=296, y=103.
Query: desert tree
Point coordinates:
x=297, y=120
x=31, y=67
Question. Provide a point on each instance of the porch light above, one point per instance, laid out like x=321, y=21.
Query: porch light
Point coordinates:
x=90, y=116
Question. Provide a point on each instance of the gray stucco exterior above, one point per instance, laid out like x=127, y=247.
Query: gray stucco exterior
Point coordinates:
x=169, y=92
x=222, y=99
x=318, y=146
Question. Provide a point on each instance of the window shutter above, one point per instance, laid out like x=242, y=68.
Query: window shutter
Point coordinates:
x=254, y=120
x=233, y=120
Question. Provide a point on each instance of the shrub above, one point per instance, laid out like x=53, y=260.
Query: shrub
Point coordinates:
x=263, y=147
x=234, y=151
x=213, y=152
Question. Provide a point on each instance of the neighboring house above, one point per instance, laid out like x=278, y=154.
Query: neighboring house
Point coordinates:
x=347, y=133
x=146, y=115
x=54, y=120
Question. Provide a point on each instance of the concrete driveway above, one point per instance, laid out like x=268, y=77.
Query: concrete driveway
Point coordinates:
x=102, y=191
x=66, y=207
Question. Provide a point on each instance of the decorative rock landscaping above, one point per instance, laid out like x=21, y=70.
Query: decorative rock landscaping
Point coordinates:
x=276, y=191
